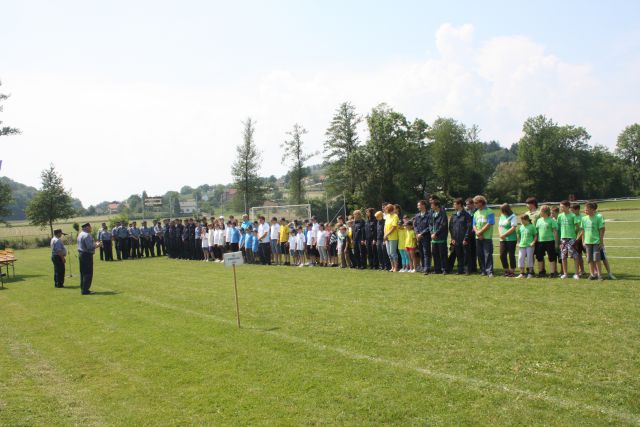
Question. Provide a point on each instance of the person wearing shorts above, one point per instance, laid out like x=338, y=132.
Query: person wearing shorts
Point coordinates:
x=293, y=238
x=568, y=228
x=284, y=241
x=592, y=235
x=547, y=229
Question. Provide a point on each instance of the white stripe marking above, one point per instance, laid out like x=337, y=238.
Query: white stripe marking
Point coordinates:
x=442, y=376
x=608, y=257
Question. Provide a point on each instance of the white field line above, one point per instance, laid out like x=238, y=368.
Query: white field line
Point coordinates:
x=621, y=238
x=441, y=376
x=619, y=220
x=608, y=257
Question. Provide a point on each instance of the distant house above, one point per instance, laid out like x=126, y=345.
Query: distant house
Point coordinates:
x=229, y=193
x=113, y=207
x=188, y=206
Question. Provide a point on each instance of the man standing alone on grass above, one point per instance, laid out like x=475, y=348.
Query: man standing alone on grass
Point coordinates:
x=86, y=249
x=58, y=257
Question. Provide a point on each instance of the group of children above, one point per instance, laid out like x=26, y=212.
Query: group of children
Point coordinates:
x=558, y=233
x=385, y=240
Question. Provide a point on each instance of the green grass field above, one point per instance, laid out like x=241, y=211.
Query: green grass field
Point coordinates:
x=158, y=345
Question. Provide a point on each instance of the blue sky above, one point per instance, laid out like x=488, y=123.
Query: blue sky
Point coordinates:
x=138, y=85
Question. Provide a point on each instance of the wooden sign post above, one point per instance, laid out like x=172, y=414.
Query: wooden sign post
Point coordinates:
x=231, y=260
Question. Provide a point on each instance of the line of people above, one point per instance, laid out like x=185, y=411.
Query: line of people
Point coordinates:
x=131, y=241
x=434, y=241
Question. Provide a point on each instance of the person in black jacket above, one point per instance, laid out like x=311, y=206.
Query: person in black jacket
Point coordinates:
x=461, y=231
x=423, y=235
x=358, y=240
x=383, y=259
x=438, y=226
x=471, y=209
x=370, y=237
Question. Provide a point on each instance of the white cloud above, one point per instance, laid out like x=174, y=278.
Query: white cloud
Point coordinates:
x=112, y=138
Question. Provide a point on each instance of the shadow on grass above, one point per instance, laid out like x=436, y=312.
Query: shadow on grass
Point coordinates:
x=103, y=293
x=625, y=276
x=20, y=277
x=253, y=328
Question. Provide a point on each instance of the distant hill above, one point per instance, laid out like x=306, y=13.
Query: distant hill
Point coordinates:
x=22, y=195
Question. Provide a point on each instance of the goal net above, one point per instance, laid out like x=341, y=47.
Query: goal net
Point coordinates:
x=288, y=212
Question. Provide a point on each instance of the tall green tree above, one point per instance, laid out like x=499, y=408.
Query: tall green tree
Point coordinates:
x=245, y=169
x=51, y=203
x=447, y=147
x=6, y=200
x=342, y=152
x=294, y=152
x=552, y=157
x=628, y=149
x=387, y=153
x=6, y=130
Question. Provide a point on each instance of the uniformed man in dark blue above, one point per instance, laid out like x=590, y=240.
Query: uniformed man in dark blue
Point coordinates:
x=192, y=240
x=169, y=230
x=86, y=248
x=146, y=240
x=58, y=257
x=185, y=240
x=134, y=233
x=423, y=235
x=123, y=239
x=178, y=239
x=106, y=250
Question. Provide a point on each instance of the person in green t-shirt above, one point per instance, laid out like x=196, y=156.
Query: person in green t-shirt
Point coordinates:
x=568, y=228
x=547, y=237
x=483, y=222
x=592, y=235
x=527, y=234
x=507, y=227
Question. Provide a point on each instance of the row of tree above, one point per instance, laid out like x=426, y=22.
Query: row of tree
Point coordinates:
x=403, y=160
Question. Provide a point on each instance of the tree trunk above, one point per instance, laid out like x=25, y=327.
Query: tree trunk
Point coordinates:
x=51, y=228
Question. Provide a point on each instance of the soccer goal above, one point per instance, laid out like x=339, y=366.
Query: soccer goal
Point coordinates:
x=288, y=212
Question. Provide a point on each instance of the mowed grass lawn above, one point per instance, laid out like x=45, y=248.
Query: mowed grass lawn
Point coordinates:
x=158, y=345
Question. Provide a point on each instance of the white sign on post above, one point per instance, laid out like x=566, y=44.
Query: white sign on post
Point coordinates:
x=233, y=258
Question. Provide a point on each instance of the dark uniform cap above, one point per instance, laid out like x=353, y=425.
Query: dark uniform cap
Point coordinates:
x=59, y=230
x=86, y=224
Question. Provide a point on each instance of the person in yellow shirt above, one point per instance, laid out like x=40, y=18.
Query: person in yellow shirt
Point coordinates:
x=391, y=236
x=284, y=242
x=411, y=242
x=402, y=242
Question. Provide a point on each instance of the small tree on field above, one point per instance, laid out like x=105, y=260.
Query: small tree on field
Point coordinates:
x=51, y=203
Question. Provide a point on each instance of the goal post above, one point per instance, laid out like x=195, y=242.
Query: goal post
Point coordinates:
x=288, y=212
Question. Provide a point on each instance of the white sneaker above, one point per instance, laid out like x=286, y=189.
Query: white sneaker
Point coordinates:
x=529, y=276
x=412, y=271
x=520, y=276
x=576, y=276
x=612, y=277
x=301, y=265
x=564, y=276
